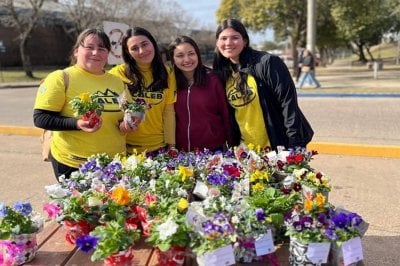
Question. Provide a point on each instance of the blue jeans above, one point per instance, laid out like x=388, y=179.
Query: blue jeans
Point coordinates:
x=310, y=77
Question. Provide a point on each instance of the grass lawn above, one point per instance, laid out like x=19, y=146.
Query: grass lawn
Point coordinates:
x=10, y=76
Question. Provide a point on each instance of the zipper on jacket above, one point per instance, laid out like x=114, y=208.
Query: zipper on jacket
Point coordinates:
x=189, y=118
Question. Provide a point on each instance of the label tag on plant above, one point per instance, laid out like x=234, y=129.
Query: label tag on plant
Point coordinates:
x=318, y=253
x=265, y=244
x=194, y=218
x=220, y=256
x=352, y=251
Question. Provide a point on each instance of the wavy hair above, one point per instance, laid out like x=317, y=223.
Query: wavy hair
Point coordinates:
x=159, y=72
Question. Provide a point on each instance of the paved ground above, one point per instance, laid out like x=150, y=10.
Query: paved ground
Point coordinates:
x=368, y=185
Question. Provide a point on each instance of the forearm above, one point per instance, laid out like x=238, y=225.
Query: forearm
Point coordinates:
x=53, y=121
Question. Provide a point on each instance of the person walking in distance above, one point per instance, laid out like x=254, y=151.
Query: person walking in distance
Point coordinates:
x=308, y=70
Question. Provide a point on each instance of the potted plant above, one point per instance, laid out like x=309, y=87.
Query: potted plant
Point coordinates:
x=170, y=234
x=134, y=111
x=87, y=105
x=111, y=242
x=18, y=229
x=308, y=227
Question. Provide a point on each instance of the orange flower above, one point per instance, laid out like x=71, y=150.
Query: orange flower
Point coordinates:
x=121, y=196
x=320, y=200
x=308, y=204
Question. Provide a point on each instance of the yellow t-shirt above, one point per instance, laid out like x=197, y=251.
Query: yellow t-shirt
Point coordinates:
x=150, y=134
x=248, y=114
x=73, y=147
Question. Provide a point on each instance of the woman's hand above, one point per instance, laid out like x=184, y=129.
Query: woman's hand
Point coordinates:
x=125, y=127
x=87, y=127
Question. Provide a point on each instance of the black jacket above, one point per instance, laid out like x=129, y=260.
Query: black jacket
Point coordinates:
x=285, y=123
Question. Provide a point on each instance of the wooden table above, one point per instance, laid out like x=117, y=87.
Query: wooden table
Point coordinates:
x=55, y=250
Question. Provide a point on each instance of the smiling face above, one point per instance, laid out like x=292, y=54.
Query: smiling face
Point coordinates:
x=186, y=59
x=230, y=44
x=141, y=49
x=91, y=55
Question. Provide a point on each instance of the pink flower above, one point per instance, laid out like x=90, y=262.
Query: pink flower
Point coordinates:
x=52, y=210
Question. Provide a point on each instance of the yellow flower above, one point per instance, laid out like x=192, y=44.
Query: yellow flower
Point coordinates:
x=311, y=176
x=185, y=172
x=121, y=195
x=258, y=187
x=251, y=146
x=320, y=200
x=85, y=97
x=183, y=204
x=308, y=204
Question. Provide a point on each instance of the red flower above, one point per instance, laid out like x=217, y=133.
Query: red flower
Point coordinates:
x=231, y=170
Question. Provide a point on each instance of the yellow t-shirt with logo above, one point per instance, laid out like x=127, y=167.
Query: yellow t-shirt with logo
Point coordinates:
x=248, y=114
x=73, y=147
x=150, y=134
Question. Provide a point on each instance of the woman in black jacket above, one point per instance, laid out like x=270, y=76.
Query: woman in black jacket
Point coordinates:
x=260, y=91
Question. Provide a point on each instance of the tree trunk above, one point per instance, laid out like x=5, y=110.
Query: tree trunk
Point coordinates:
x=26, y=60
x=361, y=53
x=370, y=55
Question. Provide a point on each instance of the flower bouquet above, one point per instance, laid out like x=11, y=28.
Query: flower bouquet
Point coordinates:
x=135, y=111
x=18, y=229
x=111, y=242
x=88, y=106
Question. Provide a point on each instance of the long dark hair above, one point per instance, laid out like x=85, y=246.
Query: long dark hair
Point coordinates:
x=82, y=36
x=200, y=72
x=222, y=65
x=159, y=72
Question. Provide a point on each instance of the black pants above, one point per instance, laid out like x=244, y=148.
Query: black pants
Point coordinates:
x=61, y=169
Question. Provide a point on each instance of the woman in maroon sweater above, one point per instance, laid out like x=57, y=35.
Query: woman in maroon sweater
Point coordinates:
x=201, y=108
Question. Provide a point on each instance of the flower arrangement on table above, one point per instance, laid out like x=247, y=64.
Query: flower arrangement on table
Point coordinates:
x=88, y=106
x=18, y=228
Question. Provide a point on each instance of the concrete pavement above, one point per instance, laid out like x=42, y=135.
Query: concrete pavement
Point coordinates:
x=368, y=185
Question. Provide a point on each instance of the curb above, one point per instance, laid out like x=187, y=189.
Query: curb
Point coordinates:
x=388, y=151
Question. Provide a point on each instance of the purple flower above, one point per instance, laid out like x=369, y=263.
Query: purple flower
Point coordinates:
x=330, y=233
x=217, y=179
x=260, y=214
x=354, y=219
x=3, y=210
x=86, y=243
x=340, y=220
x=25, y=208
x=321, y=220
x=298, y=226
x=307, y=222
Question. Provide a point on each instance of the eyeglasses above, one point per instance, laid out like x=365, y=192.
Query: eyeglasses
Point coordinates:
x=93, y=48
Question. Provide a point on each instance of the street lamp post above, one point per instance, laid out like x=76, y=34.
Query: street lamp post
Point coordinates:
x=311, y=25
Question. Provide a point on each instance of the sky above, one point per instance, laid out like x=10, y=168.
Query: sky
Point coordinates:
x=204, y=12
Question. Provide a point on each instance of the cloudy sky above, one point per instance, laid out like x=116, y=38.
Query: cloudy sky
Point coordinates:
x=204, y=12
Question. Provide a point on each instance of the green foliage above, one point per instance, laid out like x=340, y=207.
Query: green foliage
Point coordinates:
x=274, y=203
x=112, y=238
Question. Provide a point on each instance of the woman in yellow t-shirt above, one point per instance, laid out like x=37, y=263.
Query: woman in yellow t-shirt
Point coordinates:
x=75, y=139
x=148, y=79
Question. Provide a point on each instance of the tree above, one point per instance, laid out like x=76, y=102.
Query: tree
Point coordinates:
x=24, y=20
x=364, y=22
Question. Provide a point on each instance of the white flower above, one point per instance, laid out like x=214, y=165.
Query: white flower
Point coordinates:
x=167, y=229
x=94, y=201
x=56, y=191
x=235, y=219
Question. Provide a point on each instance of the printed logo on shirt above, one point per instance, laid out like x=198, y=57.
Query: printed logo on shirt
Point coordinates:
x=152, y=97
x=236, y=98
x=109, y=99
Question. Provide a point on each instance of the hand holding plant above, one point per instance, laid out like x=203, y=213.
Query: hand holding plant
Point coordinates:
x=88, y=106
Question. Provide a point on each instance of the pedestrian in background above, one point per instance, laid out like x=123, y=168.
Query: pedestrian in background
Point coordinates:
x=74, y=139
x=149, y=79
x=308, y=70
x=260, y=91
x=201, y=108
